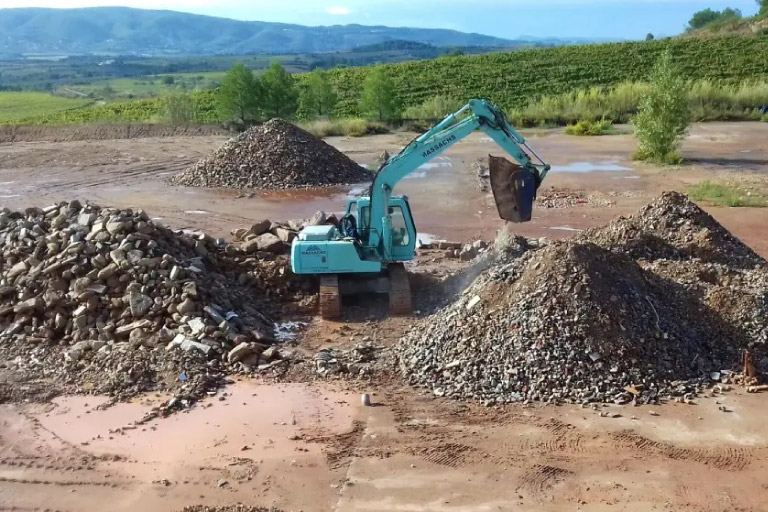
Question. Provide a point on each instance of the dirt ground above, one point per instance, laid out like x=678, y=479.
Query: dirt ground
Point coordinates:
x=313, y=446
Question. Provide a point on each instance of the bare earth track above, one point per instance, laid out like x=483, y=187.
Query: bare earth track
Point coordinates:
x=310, y=445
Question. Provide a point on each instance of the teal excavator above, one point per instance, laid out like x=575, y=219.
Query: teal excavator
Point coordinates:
x=376, y=235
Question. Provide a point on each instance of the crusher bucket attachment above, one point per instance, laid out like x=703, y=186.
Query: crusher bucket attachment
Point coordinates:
x=514, y=189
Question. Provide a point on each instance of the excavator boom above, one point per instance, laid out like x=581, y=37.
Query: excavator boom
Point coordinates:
x=367, y=251
x=514, y=187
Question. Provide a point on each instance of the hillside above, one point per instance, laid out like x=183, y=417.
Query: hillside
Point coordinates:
x=136, y=31
x=511, y=79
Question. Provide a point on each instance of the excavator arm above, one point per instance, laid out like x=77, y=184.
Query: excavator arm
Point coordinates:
x=514, y=186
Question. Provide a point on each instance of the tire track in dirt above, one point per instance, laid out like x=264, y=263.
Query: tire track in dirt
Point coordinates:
x=541, y=477
x=60, y=483
x=728, y=458
x=451, y=455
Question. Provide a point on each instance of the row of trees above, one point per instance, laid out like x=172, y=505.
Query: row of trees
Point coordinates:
x=245, y=98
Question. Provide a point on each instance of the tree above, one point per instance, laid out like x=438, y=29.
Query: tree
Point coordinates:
x=706, y=17
x=280, y=95
x=169, y=80
x=239, y=97
x=649, y=37
x=107, y=92
x=763, y=7
x=701, y=18
x=379, y=100
x=178, y=108
x=318, y=98
x=663, y=116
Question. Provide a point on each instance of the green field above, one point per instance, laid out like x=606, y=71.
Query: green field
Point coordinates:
x=16, y=107
x=143, y=87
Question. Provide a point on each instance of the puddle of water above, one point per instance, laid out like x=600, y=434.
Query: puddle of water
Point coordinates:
x=428, y=238
x=357, y=191
x=287, y=331
x=197, y=212
x=2, y=183
x=8, y=196
x=260, y=416
x=416, y=176
x=633, y=177
x=608, y=166
x=435, y=165
x=564, y=228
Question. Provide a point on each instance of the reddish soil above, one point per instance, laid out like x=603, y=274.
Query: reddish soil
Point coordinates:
x=312, y=446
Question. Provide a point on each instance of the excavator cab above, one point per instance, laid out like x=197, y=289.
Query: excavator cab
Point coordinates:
x=402, y=229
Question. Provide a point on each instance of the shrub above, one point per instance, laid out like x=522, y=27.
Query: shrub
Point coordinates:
x=435, y=108
x=354, y=127
x=663, y=115
x=586, y=127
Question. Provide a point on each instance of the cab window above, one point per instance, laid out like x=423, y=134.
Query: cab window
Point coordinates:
x=400, y=236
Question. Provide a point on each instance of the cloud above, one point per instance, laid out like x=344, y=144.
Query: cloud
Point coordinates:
x=337, y=10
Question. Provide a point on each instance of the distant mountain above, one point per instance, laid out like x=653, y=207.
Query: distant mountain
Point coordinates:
x=122, y=30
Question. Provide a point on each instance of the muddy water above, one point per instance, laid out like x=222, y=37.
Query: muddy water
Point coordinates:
x=257, y=444
x=238, y=420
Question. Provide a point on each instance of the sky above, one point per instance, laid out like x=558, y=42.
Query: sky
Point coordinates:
x=612, y=19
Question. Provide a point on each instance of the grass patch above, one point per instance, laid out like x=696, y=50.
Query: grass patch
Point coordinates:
x=707, y=101
x=16, y=107
x=587, y=127
x=353, y=127
x=726, y=195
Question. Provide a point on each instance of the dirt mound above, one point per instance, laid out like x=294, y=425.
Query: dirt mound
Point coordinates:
x=580, y=322
x=104, y=300
x=275, y=155
x=673, y=227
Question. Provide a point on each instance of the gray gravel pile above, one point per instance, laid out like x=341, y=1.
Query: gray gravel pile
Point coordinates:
x=275, y=155
x=601, y=318
x=104, y=300
x=674, y=228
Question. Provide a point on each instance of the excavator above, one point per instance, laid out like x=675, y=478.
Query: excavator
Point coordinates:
x=376, y=235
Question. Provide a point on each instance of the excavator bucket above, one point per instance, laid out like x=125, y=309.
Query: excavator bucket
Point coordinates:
x=514, y=189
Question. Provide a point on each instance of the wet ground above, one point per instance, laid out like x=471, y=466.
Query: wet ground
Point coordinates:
x=445, y=195
x=312, y=446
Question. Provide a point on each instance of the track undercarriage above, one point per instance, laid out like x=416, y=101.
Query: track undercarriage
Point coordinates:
x=394, y=282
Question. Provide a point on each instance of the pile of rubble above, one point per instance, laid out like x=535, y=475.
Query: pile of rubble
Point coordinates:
x=645, y=308
x=556, y=197
x=266, y=238
x=275, y=155
x=105, y=300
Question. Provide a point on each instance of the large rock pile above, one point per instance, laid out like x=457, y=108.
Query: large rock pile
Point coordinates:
x=105, y=300
x=275, y=155
x=652, y=306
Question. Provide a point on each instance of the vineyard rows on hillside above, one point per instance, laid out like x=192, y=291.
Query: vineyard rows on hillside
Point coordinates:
x=511, y=79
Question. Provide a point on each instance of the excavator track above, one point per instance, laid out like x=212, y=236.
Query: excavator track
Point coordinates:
x=400, y=290
x=330, y=298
